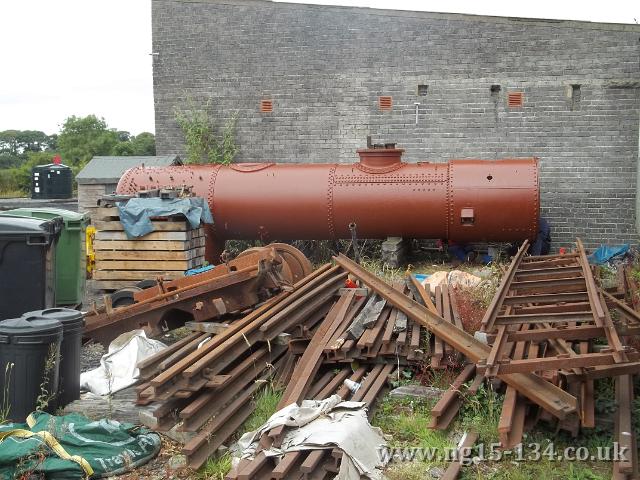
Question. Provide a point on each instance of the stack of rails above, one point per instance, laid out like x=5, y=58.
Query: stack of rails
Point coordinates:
x=209, y=390
x=379, y=338
x=311, y=379
x=376, y=332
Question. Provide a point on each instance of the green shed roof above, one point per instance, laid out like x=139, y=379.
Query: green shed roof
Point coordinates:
x=110, y=169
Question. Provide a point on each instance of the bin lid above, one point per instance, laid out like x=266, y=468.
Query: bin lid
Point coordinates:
x=67, y=215
x=15, y=225
x=63, y=315
x=35, y=326
x=51, y=166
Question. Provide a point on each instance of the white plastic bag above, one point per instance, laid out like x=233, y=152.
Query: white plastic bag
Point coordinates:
x=117, y=368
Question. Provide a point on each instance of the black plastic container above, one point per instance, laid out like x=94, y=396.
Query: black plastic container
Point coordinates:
x=29, y=360
x=51, y=181
x=27, y=264
x=70, y=350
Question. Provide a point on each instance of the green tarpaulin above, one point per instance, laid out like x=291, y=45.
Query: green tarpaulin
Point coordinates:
x=73, y=447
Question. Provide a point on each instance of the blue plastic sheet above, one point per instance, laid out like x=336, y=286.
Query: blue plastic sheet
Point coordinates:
x=604, y=253
x=421, y=277
x=135, y=214
x=196, y=271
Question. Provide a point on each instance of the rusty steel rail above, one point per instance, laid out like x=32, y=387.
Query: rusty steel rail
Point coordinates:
x=220, y=344
x=448, y=405
x=574, y=311
x=316, y=378
x=209, y=390
x=175, y=370
x=387, y=336
x=215, y=433
x=625, y=468
x=222, y=388
x=223, y=355
x=464, y=450
x=311, y=359
x=492, y=311
x=512, y=417
x=150, y=365
x=601, y=315
x=551, y=308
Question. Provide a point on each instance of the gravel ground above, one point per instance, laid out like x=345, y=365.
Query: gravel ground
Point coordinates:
x=169, y=464
x=90, y=356
x=92, y=352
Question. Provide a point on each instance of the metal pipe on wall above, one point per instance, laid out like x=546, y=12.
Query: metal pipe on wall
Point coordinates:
x=461, y=200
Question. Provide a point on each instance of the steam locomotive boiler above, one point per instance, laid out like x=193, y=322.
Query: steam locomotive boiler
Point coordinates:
x=461, y=200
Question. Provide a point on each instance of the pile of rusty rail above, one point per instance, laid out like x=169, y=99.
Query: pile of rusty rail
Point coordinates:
x=547, y=335
x=254, y=276
x=376, y=330
x=205, y=383
x=316, y=378
x=359, y=345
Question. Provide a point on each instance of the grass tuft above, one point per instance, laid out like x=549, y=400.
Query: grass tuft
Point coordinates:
x=216, y=468
x=12, y=193
x=266, y=404
x=5, y=407
x=406, y=421
x=481, y=412
x=544, y=469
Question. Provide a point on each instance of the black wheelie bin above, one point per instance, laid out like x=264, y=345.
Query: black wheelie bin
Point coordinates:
x=27, y=264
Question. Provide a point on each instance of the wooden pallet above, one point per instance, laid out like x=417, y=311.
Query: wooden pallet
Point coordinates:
x=169, y=255
x=171, y=249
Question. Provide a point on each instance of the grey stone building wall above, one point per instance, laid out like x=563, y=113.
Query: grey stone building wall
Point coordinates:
x=324, y=68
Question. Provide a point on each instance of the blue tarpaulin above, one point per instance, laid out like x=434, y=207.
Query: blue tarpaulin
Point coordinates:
x=604, y=253
x=196, y=271
x=421, y=277
x=135, y=214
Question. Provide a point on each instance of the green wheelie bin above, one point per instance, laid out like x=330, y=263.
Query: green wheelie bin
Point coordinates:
x=71, y=259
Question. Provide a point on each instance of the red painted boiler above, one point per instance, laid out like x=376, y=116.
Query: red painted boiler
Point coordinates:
x=462, y=200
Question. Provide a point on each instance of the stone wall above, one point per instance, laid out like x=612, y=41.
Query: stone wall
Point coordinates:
x=324, y=69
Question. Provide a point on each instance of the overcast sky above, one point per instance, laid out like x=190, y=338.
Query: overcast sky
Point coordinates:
x=77, y=57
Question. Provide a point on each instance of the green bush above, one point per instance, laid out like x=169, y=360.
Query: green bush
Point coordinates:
x=204, y=141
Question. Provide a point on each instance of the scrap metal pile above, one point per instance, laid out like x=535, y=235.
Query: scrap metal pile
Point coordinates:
x=205, y=383
x=255, y=275
x=547, y=335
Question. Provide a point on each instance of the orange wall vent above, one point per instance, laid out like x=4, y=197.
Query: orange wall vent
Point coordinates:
x=515, y=99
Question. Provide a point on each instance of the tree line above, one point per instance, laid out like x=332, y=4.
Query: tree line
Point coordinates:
x=79, y=139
